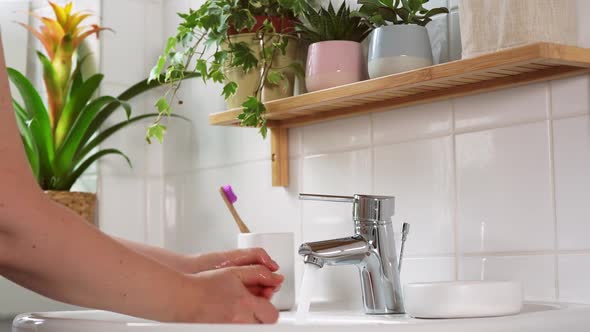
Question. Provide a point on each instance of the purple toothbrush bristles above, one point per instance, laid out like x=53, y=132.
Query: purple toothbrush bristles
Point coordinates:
x=229, y=193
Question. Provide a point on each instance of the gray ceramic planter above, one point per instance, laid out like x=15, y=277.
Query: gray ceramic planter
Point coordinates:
x=398, y=48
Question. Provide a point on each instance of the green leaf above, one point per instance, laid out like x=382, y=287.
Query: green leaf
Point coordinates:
x=243, y=57
x=39, y=121
x=263, y=130
x=170, y=45
x=157, y=70
x=77, y=78
x=162, y=106
x=436, y=11
x=156, y=130
x=74, y=139
x=252, y=115
x=108, y=132
x=415, y=5
x=229, y=89
x=202, y=68
x=74, y=105
x=71, y=178
x=298, y=69
x=274, y=77
x=134, y=91
x=217, y=76
x=330, y=24
x=27, y=137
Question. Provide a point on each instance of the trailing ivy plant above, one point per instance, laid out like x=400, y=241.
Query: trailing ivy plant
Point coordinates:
x=380, y=12
x=203, y=44
x=325, y=24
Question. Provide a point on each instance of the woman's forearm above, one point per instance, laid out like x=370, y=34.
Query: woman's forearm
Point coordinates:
x=171, y=259
x=55, y=253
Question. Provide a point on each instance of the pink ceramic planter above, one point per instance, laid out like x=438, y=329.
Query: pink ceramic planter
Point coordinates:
x=334, y=63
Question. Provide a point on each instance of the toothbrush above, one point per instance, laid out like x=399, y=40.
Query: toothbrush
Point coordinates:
x=230, y=198
x=405, y=231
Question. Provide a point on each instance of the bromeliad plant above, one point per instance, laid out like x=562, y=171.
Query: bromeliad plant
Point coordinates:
x=325, y=24
x=380, y=12
x=203, y=44
x=60, y=139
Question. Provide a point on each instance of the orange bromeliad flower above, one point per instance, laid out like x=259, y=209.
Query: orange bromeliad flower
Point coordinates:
x=60, y=37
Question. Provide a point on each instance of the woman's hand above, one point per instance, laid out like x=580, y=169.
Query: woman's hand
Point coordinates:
x=218, y=260
x=224, y=296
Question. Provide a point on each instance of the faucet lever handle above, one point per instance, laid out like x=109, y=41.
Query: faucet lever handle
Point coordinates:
x=326, y=198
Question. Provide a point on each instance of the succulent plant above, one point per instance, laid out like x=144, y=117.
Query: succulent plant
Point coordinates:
x=380, y=12
x=328, y=24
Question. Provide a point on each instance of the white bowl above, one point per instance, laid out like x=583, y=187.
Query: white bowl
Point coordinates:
x=462, y=299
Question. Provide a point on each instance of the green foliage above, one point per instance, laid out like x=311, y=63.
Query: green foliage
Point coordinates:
x=203, y=45
x=252, y=115
x=58, y=165
x=380, y=12
x=328, y=24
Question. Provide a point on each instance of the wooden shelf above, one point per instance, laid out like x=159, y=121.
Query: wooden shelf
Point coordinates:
x=508, y=68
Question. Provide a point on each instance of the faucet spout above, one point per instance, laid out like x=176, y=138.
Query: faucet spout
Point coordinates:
x=345, y=251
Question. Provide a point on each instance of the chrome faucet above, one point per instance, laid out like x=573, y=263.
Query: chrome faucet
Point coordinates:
x=371, y=249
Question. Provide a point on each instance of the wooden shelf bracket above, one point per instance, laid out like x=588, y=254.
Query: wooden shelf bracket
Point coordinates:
x=279, y=146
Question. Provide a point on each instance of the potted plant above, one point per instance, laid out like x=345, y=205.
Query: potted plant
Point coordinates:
x=249, y=46
x=400, y=40
x=61, y=139
x=335, y=55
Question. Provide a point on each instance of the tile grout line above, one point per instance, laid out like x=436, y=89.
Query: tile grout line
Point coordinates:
x=372, y=154
x=147, y=227
x=551, y=142
x=453, y=132
x=510, y=124
x=529, y=253
x=301, y=182
x=454, y=196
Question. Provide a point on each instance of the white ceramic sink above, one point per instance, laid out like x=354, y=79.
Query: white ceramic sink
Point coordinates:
x=535, y=317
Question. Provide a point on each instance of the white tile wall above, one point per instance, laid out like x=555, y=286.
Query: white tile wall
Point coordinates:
x=428, y=269
x=574, y=273
x=572, y=181
x=127, y=55
x=515, y=161
x=535, y=272
x=413, y=122
x=571, y=96
x=504, y=107
x=345, y=134
x=504, y=189
x=419, y=174
x=14, y=36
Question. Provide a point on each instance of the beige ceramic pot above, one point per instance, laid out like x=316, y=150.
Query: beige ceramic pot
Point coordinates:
x=83, y=204
x=281, y=63
x=247, y=81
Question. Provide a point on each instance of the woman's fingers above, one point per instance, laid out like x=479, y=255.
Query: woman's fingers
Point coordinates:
x=264, y=311
x=265, y=292
x=268, y=292
x=257, y=275
x=252, y=256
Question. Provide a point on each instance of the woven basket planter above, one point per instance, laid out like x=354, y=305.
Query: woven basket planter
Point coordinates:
x=83, y=204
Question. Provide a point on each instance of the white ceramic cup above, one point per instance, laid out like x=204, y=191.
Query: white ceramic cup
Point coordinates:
x=280, y=247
